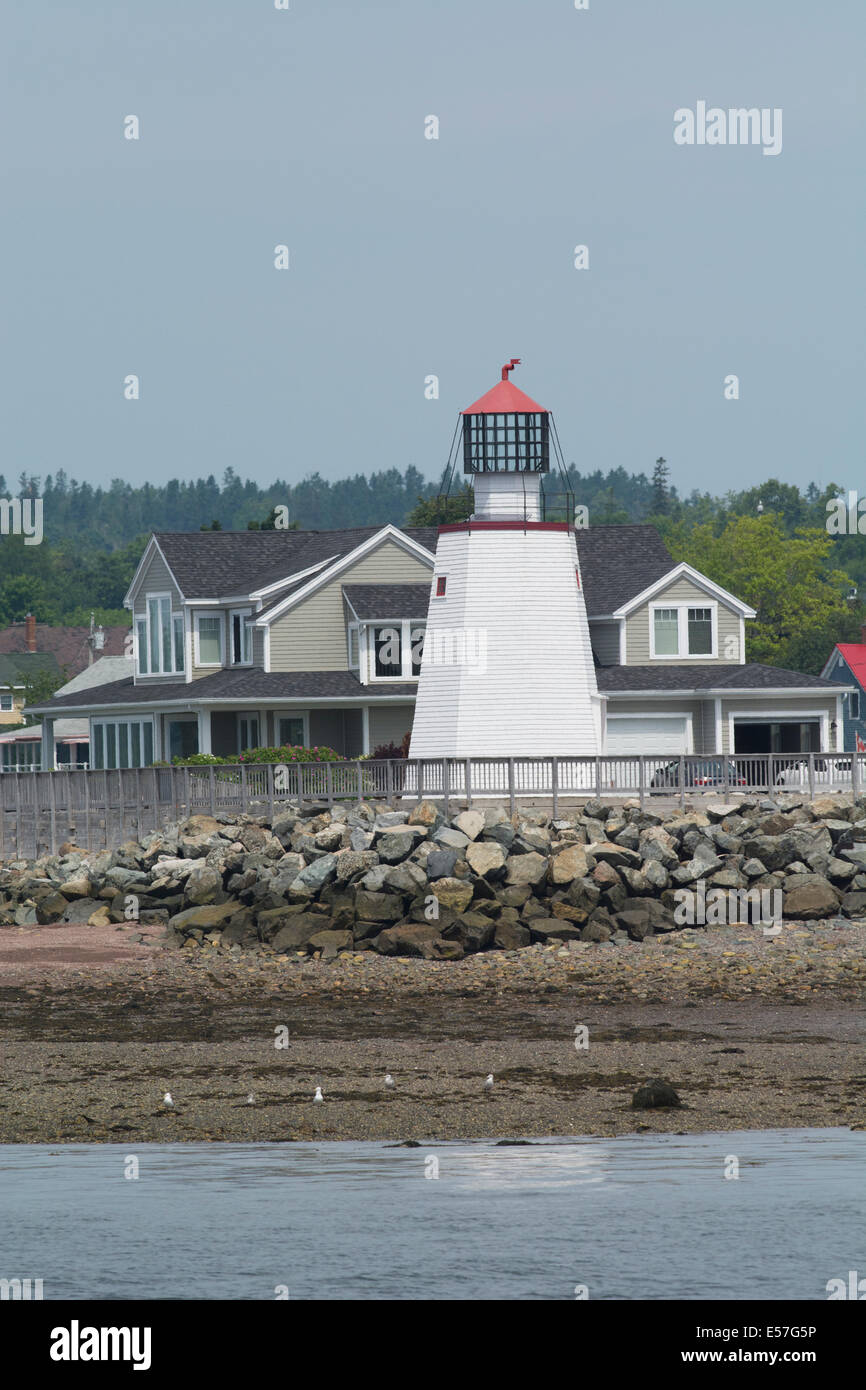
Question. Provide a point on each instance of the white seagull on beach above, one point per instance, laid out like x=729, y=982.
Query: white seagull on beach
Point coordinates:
x=167, y=1100
x=389, y=1081
x=318, y=1095
x=488, y=1085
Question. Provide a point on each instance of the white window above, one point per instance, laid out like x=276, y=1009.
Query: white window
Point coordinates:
x=394, y=650
x=209, y=639
x=290, y=731
x=121, y=743
x=248, y=733
x=159, y=638
x=683, y=630
x=6, y=703
x=354, y=655
x=241, y=636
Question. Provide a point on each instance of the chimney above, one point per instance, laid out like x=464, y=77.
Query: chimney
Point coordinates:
x=30, y=632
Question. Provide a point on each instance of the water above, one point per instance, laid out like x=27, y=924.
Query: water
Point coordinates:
x=641, y=1217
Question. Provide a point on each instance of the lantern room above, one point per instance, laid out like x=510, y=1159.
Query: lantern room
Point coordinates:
x=506, y=431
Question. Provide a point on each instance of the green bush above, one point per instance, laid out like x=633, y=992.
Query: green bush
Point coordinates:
x=289, y=754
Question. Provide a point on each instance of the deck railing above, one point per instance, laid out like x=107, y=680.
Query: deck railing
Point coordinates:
x=39, y=811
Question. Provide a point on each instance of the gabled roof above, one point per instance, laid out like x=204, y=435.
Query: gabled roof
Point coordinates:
x=752, y=676
x=854, y=656
x=685, y=571
x=228, y=564
x=505, y=399
x=617, y=562
x=388, y=600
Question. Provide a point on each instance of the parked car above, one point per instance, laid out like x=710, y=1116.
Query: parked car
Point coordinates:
x=829, y=772
x=709, y=772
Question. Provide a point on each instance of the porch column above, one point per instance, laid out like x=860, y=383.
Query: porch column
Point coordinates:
x=48, y=762
x=717, y=706
x=365, y=729
x=204, y=731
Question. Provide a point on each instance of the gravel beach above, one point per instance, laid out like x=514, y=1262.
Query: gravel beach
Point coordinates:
x=752, y=1031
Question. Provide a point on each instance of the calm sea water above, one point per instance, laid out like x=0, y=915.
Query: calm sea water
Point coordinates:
x=645, y=1216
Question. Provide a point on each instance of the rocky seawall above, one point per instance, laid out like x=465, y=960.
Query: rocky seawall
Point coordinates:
x=321, y=882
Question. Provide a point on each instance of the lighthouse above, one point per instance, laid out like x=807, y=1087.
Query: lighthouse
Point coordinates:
x=507, y=668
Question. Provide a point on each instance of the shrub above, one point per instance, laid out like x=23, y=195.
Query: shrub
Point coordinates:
x=289, y=754
x=199, y=760
x=388, y=750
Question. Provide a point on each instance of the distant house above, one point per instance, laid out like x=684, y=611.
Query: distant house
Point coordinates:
x=73, y=648
x=15, y=671
x=21, y=749
x=251, y=638
x=847, y=666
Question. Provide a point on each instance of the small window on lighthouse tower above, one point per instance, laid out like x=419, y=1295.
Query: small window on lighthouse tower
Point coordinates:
x=440, y=586
x=577, y=576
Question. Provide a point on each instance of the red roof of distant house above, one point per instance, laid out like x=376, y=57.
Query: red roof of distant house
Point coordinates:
x=855, y=655
x=67, y=644
x=505, y=399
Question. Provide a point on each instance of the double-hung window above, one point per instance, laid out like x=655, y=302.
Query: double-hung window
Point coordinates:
x=209, y=639
x=394, y=650
x=681, y=630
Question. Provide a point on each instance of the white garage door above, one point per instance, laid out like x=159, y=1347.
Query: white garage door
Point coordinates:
x=645, y=734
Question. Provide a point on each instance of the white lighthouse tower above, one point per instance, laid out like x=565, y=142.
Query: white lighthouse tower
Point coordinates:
x=507, y=669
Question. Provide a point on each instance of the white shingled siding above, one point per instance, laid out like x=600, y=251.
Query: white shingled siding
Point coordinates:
x=534, y=693
x=504, y=496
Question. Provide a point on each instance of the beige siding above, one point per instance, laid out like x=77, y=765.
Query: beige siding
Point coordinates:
x=605, y=642
x=389, y=723
x=682, y=591
x=312, y=636
x=675, y=705
x=156, y=578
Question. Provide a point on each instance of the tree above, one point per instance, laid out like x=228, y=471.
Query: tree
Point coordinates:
x=661, y=488
x=438, y=511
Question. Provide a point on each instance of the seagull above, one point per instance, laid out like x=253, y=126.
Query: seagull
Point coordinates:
x=251, y=1100
x=389, y=1081
x=488, y=1085
x=318, y=1095
x=167, y=1100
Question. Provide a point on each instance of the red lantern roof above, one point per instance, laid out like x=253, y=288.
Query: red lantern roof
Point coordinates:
x=505, y=399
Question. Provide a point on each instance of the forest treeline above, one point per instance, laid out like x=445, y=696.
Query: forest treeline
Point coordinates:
x=768, y=544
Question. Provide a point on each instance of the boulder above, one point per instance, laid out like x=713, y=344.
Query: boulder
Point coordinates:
x=486, y=859
x=510, y=936
x=440, y=863
x=204, y=885
x=455, y=893
x=474, y=932
x=378, y=907
x=812, y=900
x=407, y=939
x=655, y=1095
x=205, y=916
x=471, y=823
x=528, y=869
x=570, y=864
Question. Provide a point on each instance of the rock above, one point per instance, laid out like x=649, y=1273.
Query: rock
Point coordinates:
x=407, y=939
x=472, y=930
x=379, y=907
x=205, y=916
x=394, y=846
x=854, y=904
x=471, y=823
x=597, y=930
x=329, y=943
x=655, y=1095
x=486, y=859
x=316, y=875
x=510, y=936
x=811, y=901
x=609, y=853
x=526, y=868
x=427, y=814
x=204, y=885
x=78, y=886
x=50, y=908
x=450, y=839
x=553, y=929
x=298, y=931
x=405, y=878
x=440, y=863
x=570, y=864
x=453, y=892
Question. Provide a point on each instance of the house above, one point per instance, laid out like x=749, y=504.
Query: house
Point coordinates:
x=15, y=671
x=21, y=749
x=73, y=648
x=254, y=638
x=846, y=666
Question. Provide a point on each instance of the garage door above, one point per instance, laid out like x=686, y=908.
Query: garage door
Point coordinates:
x=640, y=734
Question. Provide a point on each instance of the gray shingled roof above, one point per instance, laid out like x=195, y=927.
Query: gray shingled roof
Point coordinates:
x=618, y=562
x=388, y=600
x=752, y=676
x=17, y=667
x=221, y=564
x=247, y=684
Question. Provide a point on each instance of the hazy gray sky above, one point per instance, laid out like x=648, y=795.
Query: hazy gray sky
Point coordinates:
x=412, y=256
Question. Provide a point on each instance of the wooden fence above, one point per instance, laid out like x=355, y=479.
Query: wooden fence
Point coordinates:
x=101, y=809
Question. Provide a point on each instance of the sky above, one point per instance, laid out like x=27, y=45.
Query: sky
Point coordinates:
x=411, y=257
